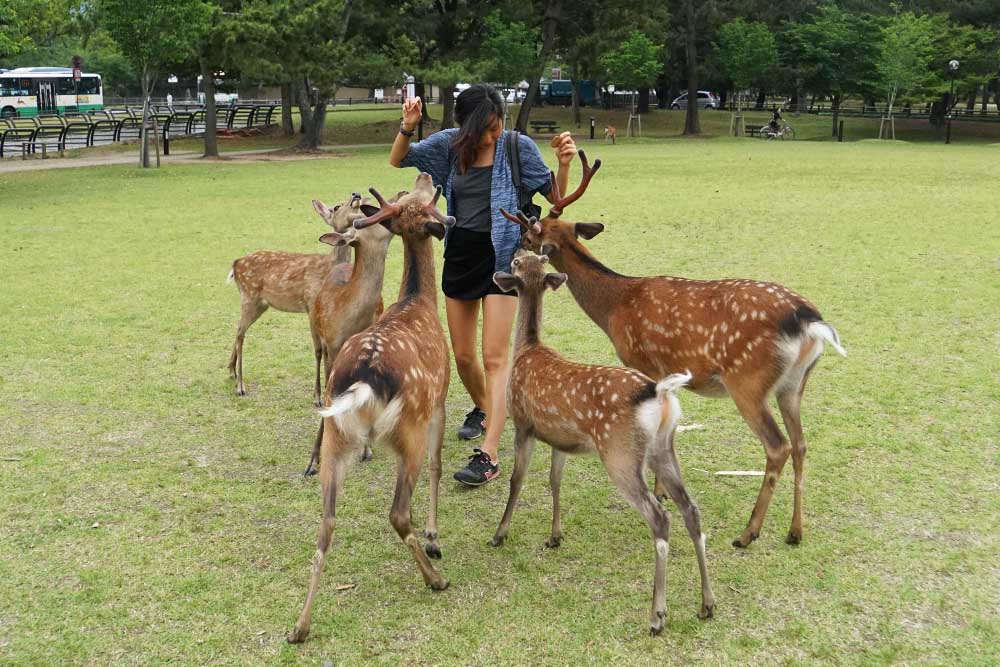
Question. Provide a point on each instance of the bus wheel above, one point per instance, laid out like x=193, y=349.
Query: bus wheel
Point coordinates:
x=8, y=112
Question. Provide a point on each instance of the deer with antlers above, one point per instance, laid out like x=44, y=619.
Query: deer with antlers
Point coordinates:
x=746, y=339
x=389, y=382
x=619, y=413
x=290, y=281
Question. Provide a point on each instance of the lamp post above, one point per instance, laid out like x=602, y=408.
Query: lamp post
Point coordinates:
x=952, y=68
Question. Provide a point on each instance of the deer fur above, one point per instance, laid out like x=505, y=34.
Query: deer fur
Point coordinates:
x=610, y=134
x=289, y=281
x=390, y=382
x=624, y=417
x=745, y=339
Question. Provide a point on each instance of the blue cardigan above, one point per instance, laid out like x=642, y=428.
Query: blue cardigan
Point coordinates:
x=435, y=156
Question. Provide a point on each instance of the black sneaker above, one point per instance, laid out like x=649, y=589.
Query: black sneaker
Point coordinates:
x=474, y=426
x=479, y=470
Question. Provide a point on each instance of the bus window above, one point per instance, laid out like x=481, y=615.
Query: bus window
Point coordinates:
x=15, y=87
x=90, y=85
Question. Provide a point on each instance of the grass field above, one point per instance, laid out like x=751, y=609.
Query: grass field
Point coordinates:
x=148, y=516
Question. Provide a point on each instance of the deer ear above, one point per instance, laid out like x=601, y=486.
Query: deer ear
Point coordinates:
x=507, y=282
x=555, y=280
x=547, y=249
x=436, y=229
x=321, y=208
x=588, y=230
x=369, y=210
x=336, y=238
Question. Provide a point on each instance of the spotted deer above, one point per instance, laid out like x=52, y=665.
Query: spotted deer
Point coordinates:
x=289, y=281
x=625, y=417
x=747, y=339
x=610, y=134
x=389, y=382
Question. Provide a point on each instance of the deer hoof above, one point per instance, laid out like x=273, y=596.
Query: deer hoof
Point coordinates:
x=366, y=455
x=707, y=611
x=656, y=626
x=553, y=542
x=497, y=540
x=297, y=635
x=432, y=551
x=309, y=472
x=441, y=585
x=740, y=544
x=793, y=538
x=241, y=392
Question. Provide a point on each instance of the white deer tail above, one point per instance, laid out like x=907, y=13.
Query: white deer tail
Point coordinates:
x=659, y=416
x=231, y=276
x=672, y=383
x=356, y=395
x=828, y=333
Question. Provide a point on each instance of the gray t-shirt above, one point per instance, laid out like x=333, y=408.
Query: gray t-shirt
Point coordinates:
x=472, y=199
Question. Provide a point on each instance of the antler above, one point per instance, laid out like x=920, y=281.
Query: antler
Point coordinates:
x=531, y=224
x=386, y=211
x=447, y=220
x=588, y=173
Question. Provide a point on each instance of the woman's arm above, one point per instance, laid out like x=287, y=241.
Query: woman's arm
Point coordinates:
x=412, y=110
x=565, y=149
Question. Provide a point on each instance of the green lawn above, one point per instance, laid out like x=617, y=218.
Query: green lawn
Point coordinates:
x=148, y=516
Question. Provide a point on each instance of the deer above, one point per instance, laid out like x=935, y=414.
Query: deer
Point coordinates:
x=610, y=134
x=289, y=282
x=623, y=416
x=389, y=383
x=746, y=339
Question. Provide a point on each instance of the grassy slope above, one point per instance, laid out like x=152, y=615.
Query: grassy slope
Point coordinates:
x=116, y=411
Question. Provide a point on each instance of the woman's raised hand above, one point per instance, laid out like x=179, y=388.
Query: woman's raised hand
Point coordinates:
x=412, y=110
x=565, y=148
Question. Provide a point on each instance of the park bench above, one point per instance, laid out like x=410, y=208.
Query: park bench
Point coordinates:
x=753, y=130
x=548, y=126
x=28, y=147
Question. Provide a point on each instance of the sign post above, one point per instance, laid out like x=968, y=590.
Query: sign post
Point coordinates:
x=77, y=63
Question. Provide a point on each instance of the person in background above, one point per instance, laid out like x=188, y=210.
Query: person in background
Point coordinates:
x=471, y=164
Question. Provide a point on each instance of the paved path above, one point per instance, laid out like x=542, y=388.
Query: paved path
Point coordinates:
x=13, y=165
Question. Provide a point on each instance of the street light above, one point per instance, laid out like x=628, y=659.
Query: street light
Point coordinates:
x=952, y=68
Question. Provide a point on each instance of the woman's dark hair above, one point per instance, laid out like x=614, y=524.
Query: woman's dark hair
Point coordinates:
x=476, y=108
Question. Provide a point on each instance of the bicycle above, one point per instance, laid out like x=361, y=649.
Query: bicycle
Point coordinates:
x=784, y=131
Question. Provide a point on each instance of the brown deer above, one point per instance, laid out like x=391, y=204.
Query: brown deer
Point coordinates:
x=619, y=413
x=746, y=339
x=610, y=134
x=390, y=382
x=289, y=282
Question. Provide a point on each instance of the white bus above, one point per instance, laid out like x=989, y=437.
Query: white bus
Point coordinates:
x=29, y=91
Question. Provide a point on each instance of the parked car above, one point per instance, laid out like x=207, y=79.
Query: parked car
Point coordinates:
x=706, y=100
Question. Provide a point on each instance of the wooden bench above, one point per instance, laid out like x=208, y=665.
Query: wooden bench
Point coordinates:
x=753, y=130
x=548, y=126
x=32, y=146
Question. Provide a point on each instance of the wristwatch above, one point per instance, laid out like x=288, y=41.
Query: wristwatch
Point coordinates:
x=406, y=133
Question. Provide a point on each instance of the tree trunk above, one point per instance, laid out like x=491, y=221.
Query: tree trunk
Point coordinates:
x=644, y=99
x=447, y=105
x=691, y=124
x=305, y=106
x=147, y=90
x=576, y=96
x=986, y=98
x=836, y=112
x=287, y=126
x=553, y=12
x=313, y=136
x=211, y=115
x=970, y=102
x=761, y=99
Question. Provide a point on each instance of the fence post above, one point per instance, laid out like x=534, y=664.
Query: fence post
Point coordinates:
x=840, y=131
x=592, y=124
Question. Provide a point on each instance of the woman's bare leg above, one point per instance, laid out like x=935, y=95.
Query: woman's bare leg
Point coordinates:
x=498, y=322
x=463, y=316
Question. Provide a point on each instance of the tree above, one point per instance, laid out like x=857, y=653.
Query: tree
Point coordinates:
x=635, y=63
x=904, y=57
x=154, y=36
x=12, y=34
x=508, y=50
x=551, y=17
x=746, y=52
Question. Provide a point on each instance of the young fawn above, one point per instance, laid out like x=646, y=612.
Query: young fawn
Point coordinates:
x=626, y=418
x=745, y=339
x=610, y=134
x=289, y=281
x=389, y=382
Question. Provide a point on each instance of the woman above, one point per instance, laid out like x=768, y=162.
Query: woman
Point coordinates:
x=472, y=166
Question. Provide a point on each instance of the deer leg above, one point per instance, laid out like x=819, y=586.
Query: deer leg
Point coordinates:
x=555, y=481
x=318, y=353
x=435, y=442
x=249, y=313
x=789, y=403
x=626, y=474
x=668, y=473
x=758, y=416
x=331, y=478
x=524, y=445
x=412, y=443
x=314, y=459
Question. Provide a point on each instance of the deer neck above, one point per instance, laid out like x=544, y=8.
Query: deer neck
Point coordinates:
x=595, y=287
x=369, y=272
x=340, y=254
x=418, y=269
x=529, y=320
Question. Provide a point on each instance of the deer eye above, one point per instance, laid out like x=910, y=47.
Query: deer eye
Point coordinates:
x=516, y=262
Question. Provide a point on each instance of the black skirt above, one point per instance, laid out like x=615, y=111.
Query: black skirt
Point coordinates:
x=469, y=264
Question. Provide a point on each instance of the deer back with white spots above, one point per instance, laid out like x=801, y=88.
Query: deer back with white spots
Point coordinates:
x=290, y=281
x=389, y=382
x=625, y=417
x=747, y=339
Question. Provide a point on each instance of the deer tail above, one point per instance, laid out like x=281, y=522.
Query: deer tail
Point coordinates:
x=356, y=395
x=826, y=332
